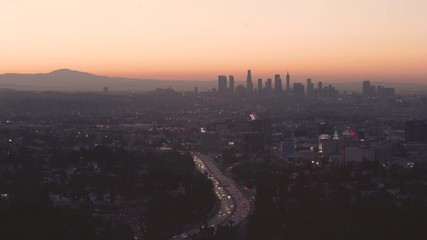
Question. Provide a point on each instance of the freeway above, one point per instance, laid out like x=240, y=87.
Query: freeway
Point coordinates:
x=234, y=205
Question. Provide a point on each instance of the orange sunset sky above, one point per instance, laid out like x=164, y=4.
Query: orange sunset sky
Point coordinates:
x=334, y=40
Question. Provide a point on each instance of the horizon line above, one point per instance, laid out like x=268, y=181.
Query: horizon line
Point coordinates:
x=136, y=78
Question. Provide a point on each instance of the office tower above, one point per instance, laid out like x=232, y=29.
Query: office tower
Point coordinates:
x=366, y=88
x=373, y=91
x=277, y=83
x=330, y=90
x=249, y=84
x=222, y=84
x=288, y=82
x=231, y=84
x=259, y=85
x=268, y=85
x=105, y=89
x=298, y=89
x=309, y=87
x=319, y=86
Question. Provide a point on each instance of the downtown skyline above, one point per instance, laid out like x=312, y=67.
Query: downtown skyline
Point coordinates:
x=337, y=41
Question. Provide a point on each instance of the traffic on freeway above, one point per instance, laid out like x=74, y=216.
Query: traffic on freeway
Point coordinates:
x=234, y=205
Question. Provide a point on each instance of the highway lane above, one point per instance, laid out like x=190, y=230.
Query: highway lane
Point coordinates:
x=234, y=205
x=229, y=191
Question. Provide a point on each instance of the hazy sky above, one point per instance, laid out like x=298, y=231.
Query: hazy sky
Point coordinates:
x=200, y=39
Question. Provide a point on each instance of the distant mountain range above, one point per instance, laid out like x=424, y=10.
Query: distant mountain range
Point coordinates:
x=70, y=80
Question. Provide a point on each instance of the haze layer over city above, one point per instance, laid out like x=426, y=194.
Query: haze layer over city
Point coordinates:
x=221, y=120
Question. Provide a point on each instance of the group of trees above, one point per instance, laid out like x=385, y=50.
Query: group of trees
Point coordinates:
x=317, y=206
x=167, y=215
x=178, y=194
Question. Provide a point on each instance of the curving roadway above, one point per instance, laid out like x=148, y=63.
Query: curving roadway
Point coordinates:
x=234, y=205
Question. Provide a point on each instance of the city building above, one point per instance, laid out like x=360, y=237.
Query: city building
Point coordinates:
x=278, y=83
x=268, y=85
x=231, y=84
x=259, y=85
x=319, y=86
x=298, y=89
x=366, y=91
x=249, y=83
x=359, y=154
x=310, y=87
x=385, y=91
x=222, y=84
x=288, y=82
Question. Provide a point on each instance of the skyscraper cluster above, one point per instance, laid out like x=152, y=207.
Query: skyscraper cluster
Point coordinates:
x=369, y=90
x=298, y=89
